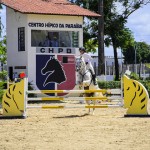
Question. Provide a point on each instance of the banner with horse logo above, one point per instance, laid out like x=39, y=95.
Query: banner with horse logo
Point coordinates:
x=55, y=72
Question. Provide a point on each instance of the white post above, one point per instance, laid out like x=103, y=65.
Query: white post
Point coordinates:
x=144, y=71
x=122, y=102
x=135, y=57
x=25, y=96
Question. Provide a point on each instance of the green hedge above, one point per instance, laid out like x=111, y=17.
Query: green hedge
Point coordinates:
x=117, y=84
x=109, y=84
x=4, y=84
x=2, y=87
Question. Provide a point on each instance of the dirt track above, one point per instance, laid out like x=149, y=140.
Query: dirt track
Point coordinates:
x=71, y=129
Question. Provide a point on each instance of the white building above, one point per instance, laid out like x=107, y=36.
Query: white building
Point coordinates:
x=28, y=25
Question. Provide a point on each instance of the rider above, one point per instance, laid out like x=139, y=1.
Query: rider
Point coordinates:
x=88, y=60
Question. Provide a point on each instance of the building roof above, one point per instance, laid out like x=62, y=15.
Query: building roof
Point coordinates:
x=49, y=7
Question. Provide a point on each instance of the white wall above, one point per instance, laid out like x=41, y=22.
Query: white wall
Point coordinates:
x=52, y=19
x=27, y=58
x=14, y=20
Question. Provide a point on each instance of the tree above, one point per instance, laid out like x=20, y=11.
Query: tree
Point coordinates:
x=116, y=13
x=129, y=54
x=115, y=20
x=142, y=54
x=3, y=57
x=3, y=51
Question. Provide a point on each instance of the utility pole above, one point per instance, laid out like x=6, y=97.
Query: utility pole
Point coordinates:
x=101, y=57
x=135, y=47
x=101, y=61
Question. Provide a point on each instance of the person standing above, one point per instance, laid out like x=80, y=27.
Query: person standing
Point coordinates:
x=88, y=59
x=47, y=42
x=54, y=42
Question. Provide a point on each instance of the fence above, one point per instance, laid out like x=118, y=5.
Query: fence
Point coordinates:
x=140, y=69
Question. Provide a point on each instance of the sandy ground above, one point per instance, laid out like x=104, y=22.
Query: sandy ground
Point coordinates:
x=71, y=129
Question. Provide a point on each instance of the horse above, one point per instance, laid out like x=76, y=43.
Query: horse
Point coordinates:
x=85, y=81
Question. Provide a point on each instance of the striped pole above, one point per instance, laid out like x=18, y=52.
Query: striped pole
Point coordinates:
x=114, y=91
x=73, y=98
x=63, y=107
x=65, y=91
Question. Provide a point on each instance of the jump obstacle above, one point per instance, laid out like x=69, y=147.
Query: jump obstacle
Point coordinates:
x=115, y=91
x=15, y=99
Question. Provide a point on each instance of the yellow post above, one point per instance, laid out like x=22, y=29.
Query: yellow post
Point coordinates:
x=135, y=97
x=13, y=102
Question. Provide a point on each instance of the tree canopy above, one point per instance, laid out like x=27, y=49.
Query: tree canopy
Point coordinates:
x=3, y=51
x=142, y=53
x=116, y=13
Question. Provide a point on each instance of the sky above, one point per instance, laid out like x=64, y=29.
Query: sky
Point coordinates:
x=138, y=23
x=3, y=19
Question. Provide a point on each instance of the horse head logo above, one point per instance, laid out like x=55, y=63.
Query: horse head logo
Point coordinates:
x=54, y=71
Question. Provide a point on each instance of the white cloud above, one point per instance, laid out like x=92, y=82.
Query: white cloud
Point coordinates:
x=139, y=24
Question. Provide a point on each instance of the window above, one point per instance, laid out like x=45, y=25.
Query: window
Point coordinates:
x=21, y=39
x=45, y=38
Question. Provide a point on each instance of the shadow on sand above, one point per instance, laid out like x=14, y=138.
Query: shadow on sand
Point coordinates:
x=73, y=116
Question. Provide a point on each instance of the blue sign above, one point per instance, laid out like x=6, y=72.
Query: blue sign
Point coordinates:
x=49, y=72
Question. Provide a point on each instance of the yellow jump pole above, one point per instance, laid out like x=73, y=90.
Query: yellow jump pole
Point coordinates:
x=63, y=107
x=64, y=91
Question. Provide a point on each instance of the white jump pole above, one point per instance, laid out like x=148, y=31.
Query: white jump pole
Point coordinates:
x=63, y=107
x=73, y=98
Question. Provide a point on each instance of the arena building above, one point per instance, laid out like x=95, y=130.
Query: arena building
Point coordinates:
x=43, y=37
